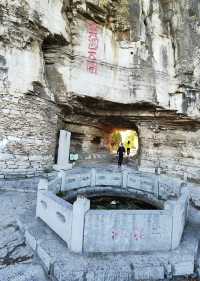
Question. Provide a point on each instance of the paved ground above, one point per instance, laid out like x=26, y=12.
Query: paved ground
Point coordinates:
x=127, y=163
x=16, y=258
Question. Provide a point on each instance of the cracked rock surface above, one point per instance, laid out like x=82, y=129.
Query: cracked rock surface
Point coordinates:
x=17, y=262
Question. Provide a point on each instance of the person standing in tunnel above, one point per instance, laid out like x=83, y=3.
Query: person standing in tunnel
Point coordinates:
x=128, y=150
x=121, y=150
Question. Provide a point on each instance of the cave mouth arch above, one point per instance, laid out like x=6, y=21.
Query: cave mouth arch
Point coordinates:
x=102, y=142
x=93, y=121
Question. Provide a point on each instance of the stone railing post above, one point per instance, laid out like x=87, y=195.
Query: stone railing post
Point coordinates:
x=62, y=175
x=80, y=207
x=93, y=177
x=124, y=179
x=178, y=209
x=185, y=177
x=42, y=186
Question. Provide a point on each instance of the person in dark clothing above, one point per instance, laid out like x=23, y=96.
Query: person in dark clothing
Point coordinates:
x=121, y=150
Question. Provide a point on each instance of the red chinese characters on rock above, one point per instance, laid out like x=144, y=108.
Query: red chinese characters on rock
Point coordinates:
x=92, y=48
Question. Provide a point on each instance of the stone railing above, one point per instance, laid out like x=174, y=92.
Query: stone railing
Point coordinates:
x=86, y=230
x=54, y=211
x=161, y=187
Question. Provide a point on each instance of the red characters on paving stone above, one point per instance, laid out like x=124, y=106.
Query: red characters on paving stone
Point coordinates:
x=135, y=235
x=93, y=42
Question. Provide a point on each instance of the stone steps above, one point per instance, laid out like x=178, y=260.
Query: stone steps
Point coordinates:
x=63, y=265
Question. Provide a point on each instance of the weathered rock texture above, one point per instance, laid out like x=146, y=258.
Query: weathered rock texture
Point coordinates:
x=145, y=75
x=17, y=261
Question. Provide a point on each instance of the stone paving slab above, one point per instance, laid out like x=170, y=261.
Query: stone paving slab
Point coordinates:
x=99, y=166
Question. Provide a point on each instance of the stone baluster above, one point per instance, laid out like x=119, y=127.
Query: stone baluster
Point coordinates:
x=80, y=207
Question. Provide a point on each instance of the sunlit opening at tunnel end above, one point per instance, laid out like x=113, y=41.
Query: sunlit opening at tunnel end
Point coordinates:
x=129, y=138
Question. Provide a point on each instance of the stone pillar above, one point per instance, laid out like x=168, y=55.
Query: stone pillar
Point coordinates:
x=62, y=175
x=178, y=209
x=124, y=179
x=42, y=186
x=80, y=207
x=93, y=177
x=63, y=151
x=185, y=176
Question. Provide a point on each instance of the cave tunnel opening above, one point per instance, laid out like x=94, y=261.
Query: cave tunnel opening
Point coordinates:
x=129, y=138
x=101, y=143
x=98, y=127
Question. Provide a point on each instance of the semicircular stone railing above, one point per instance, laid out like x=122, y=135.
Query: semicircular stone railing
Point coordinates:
x=87, y=230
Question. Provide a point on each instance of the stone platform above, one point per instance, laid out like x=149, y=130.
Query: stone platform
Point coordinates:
x=63, y=265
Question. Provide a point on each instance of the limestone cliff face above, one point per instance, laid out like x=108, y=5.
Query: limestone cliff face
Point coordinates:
x=28, y=122
x=91, y=66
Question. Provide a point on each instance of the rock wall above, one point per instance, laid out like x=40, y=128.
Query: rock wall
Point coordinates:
x=170, y=149
x=137, y=71
x=28, y=123
x=28, y=129
x=93, y=66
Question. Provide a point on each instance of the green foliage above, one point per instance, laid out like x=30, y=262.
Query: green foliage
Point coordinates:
x=116, y=139
x=103, y=3
x=118, y=136
x=133, y=139
x=61, y=194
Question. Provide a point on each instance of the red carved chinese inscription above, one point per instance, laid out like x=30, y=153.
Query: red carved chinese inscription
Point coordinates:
x=92, y=48
x=137, y=234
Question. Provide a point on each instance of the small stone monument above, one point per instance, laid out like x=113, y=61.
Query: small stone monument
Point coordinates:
x=63, y=151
